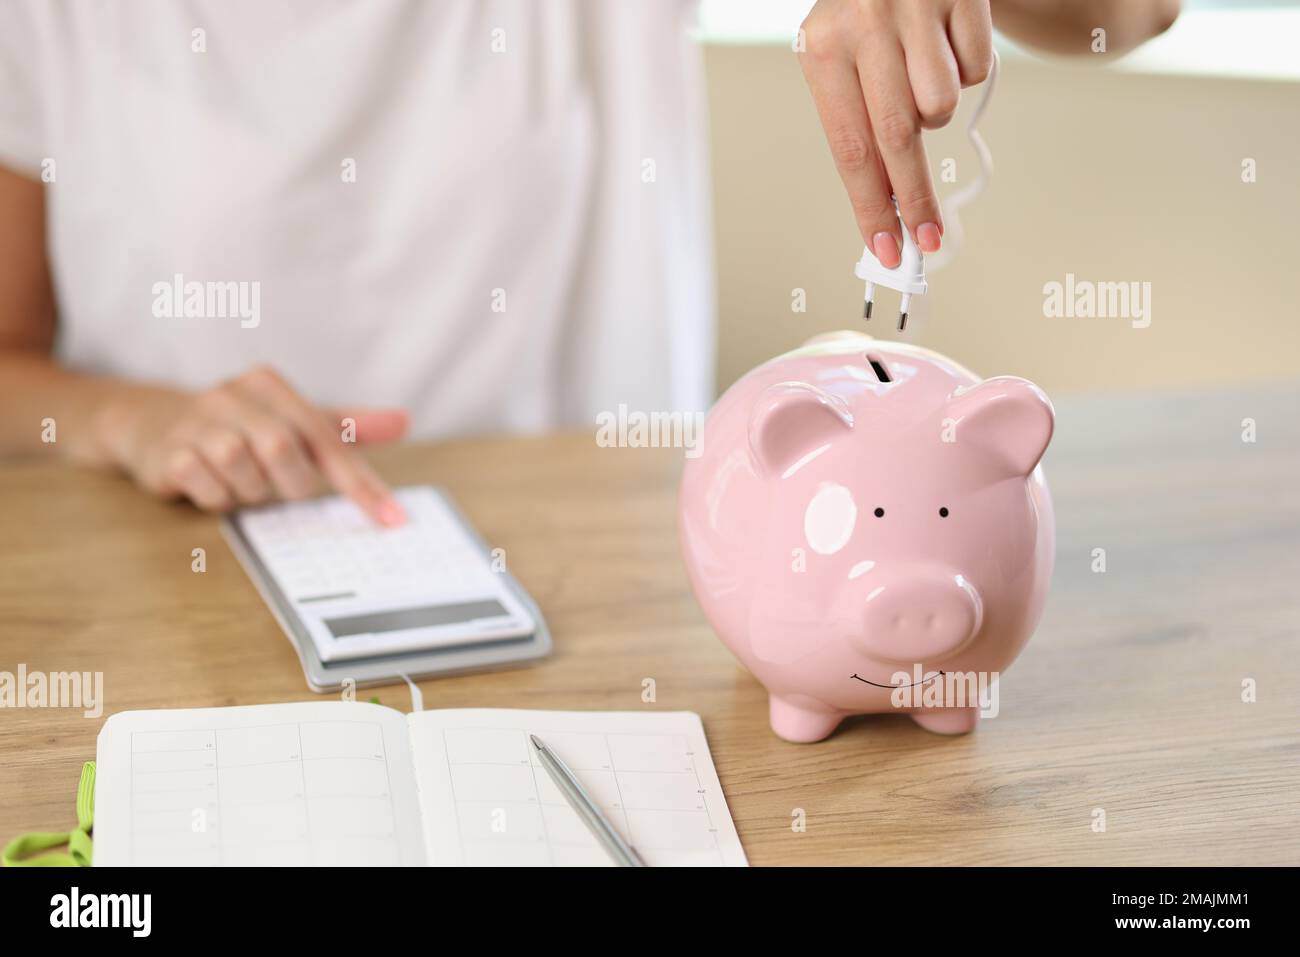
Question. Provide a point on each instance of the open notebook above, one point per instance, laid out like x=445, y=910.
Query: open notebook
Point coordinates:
x=359, y=784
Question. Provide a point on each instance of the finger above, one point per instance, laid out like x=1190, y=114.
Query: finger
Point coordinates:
x=228, y=456
x=970, y=35
x=931, y=71
x=283, y=457
x=353, y=477
x=343, y=468
x=897, y=127
x=371, y=426
x=186, y=473
x=837, y=92
x=281, y=454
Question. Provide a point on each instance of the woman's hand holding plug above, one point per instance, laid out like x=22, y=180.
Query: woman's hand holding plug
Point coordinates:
x=880, y=72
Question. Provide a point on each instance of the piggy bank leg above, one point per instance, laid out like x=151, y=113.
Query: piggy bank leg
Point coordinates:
x=801, y=719
x=947, y=720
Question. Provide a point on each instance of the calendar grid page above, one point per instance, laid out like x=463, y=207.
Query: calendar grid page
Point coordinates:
x=254, y=786
x=487, y=800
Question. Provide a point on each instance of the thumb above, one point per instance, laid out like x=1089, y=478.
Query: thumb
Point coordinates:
x=373, y=426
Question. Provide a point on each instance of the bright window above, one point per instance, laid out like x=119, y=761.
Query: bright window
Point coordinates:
x=1244, y=38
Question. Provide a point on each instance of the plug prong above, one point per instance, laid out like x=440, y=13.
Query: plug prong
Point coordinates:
x=866, y=306
x=902, y=311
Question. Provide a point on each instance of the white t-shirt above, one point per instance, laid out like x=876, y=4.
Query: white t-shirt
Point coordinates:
x=494, y=213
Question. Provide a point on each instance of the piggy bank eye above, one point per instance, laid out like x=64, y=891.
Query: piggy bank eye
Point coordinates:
x=828, y=522
x=943, y=512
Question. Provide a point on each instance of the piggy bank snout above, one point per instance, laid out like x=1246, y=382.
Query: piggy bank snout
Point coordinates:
x=920, y=617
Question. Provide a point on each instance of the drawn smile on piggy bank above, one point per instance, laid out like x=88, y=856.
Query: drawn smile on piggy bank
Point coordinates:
x=925, y=680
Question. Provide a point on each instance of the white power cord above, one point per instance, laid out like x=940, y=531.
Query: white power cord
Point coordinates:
x=908, y=277
x=417, y=698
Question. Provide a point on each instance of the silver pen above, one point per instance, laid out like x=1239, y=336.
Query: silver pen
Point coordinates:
x=623, y=853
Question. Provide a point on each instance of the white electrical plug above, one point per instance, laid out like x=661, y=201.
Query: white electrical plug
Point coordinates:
x=908, y=277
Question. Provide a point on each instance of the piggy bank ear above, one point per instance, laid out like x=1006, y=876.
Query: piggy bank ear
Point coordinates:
x=1008, y=418
x=791, y=419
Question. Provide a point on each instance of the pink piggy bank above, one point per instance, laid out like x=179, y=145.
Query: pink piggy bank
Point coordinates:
x=867, y=528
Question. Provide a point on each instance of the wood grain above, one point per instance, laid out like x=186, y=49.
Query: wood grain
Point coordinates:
x=1128, y=699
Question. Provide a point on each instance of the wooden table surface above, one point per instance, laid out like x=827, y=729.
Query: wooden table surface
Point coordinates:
x=1128, y=699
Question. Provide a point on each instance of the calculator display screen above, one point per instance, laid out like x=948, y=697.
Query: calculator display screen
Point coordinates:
x=401, y=619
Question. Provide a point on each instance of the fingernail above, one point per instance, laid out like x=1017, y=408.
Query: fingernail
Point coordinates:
x=885, y=248
x=928, y=237
x=390, y=514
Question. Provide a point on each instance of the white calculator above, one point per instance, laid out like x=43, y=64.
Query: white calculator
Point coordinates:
x=370, y=603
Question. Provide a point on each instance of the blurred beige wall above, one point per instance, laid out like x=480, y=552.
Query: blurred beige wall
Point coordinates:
x=1109, y=175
